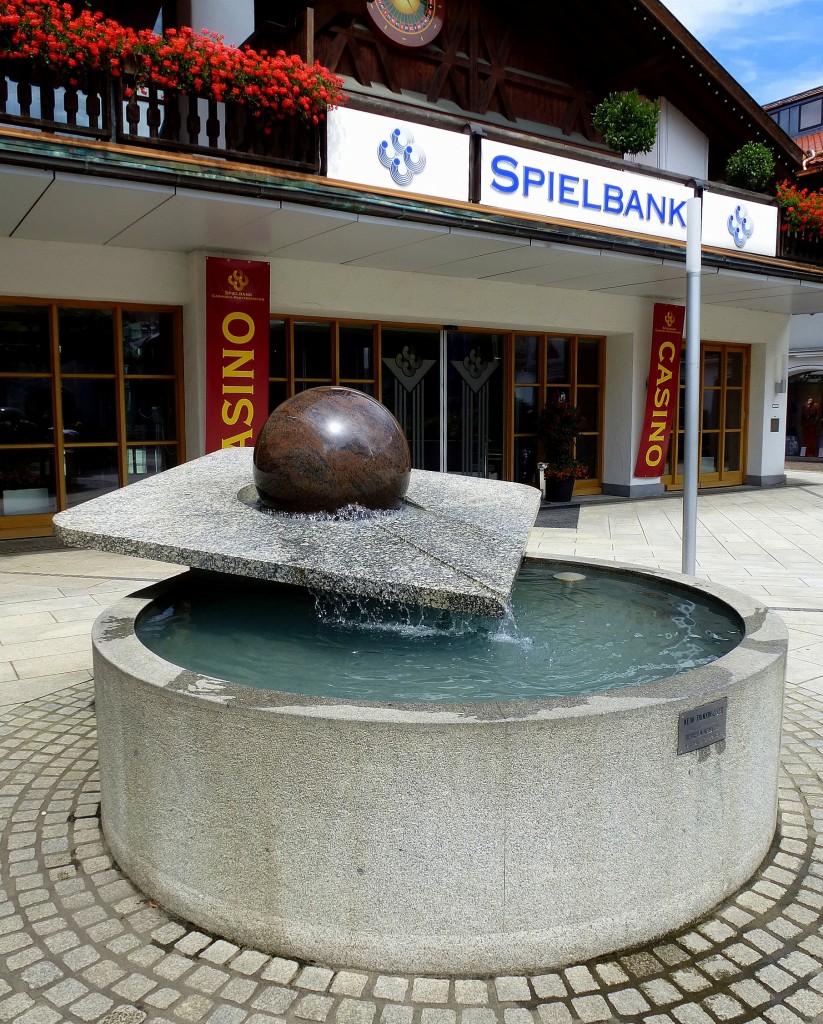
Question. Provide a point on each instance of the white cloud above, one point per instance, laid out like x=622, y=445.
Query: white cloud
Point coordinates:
x=708, y=19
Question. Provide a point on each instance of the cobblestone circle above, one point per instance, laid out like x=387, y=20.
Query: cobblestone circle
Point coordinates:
x=79, y=943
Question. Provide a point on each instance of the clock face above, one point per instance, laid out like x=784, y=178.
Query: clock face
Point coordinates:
x=407, y=22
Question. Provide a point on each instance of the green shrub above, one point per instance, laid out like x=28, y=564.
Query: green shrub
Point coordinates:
x=751, y=167
x=627, y=121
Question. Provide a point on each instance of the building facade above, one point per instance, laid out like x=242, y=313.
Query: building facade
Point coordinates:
x=456, y=241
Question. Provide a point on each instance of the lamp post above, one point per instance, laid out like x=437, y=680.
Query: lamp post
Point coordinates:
x=691, y=432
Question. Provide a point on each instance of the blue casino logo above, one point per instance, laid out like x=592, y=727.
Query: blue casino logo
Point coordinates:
x=741, y=226
x=402, y=157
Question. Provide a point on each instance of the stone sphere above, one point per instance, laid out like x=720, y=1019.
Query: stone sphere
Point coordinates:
x=329, y=447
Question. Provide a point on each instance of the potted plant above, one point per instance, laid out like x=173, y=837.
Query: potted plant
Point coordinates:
x=627, y=121
x=558, y=429
x=751, y=167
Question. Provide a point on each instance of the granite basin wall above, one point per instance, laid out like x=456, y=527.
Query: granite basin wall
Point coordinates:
x=468, y=838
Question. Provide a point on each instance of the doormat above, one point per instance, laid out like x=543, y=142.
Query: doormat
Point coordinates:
x=558, y=517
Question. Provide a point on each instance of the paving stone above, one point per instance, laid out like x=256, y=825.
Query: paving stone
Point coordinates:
x=219, y=952
x=391, y=987
x=628, y=1002
x=430, y=990
x=239, y=990
x=591, y=1008
x=65, y=992
x=316, y=979
x=274, y=999
x=641, y=965
x=436, y=1015
x=581, y=979
x=91, y=1007
x=207, y=979
x=280, y=970
x=809, y=1004
x=611, y=974
x=549, y=986
x=40, y=974
x=173, y=966
x=691, y=1013
x=723, y=1007
x=394, y=1013
x=660, y=992
x=799, y=964
x=512, y=989
x=192, y=943
x=227, y=1015
x=470, y=992
x=516, y=1015
x=313, y=1007
x=355, y=1011
x=162, y=998
x=554, y=1013
x=192, y=1008
x=349, y=983
x=774, y=978
x=751, y=993
x=134, y=987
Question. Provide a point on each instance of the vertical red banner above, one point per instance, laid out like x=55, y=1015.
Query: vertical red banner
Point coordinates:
x=662, y=390
x=237, y=351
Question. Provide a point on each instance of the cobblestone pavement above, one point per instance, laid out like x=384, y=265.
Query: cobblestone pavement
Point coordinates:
x=79, y=943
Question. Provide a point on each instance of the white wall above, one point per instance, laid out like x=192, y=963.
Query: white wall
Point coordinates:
x=233, y=20
x=680, y=147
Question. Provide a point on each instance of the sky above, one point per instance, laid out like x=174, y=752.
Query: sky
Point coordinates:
x=774, y=48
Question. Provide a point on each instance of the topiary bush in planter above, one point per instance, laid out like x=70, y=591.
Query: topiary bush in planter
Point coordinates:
x=751, y=167
x=627, y=121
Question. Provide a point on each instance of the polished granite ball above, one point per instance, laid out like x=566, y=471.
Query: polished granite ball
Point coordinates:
x=329, y=447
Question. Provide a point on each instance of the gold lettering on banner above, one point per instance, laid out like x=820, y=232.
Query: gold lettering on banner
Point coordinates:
x=242, y=409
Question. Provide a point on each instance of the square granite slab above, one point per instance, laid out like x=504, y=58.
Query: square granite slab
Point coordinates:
x=456, y=542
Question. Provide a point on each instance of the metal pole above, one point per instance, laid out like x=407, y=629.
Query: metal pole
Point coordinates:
x=691, y=432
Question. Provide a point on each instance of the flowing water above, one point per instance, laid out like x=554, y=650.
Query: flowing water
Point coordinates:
x=604, y=632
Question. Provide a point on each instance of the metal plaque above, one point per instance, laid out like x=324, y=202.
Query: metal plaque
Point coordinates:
x=702, y=726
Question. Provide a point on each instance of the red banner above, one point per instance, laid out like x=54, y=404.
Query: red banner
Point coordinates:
x=661, y=392
x=237, y=351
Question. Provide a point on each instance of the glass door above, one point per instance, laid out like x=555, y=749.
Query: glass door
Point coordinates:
x=446, y=388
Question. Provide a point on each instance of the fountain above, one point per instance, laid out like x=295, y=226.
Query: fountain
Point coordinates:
x=483, y=834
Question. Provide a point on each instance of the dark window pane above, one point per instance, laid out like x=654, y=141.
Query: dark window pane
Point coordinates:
x=27, y=482
x=86, y=338
x=277, y=348
x=525, y=359
x=356, y=352
x=525, y=410
x=312, y=351
x=89, y=412
x=731, y=452
x=811, y=114
x=588, y=361
x=150, y=410
x=525, y=461
x=734, y=369
x=557, y=360
x=148, y=343
x=277, y=394
x=411, y=390
x=588, y=402
x=367, y=389
x=90, y=472
x=25, y=411
x=734, y=409
x=711, y=410
x=709, y=447
x=24, y=339
x=711, y=369
x=148, y=460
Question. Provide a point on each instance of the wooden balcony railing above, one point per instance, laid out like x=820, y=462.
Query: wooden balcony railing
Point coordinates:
x=151, y=118
x=800, y=247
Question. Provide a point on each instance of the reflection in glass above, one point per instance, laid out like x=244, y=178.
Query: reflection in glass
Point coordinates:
x=525, y=410
x=557, y=360
x=711, y=410
x=525, y=359
x=277, y=348
x=89, y=412
x=148, y=342
x=312, y=351
x=734, y=369
x=525, y=460
x=25, y=411
x=360, y=385
x=586, y=452
x=731, y=453
x=27, y=485
x=24, y=339
x=90, y=472
x=356, y=352
x=149, y=410
x=588, y=402
x=588, y=361
x=86, y=338
x=150, y=459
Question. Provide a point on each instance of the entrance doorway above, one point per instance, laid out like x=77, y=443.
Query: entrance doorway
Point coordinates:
x=724, y=375
x=446, y=389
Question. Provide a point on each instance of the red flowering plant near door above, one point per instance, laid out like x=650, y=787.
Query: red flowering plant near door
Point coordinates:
x=271, y=86
x=802, y=211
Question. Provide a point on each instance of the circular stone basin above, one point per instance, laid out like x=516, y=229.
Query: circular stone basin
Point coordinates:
x=456, y=838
